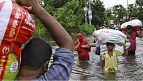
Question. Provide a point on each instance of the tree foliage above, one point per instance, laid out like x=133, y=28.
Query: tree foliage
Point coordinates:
x=139, y=2
x=99, y=15
x=132, y=11
x=119, y=12
x=70, y=14
x=139, y=7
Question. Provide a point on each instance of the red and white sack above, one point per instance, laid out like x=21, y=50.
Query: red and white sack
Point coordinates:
x=16, y=28
x=110, y=35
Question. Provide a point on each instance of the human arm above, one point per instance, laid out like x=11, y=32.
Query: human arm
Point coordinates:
x=56, y=30
x=76, y=47
x=140, y=33
x=86, y=46
x=63, y=60
x=125, y=48
x=103, y=62
x=76, y=44
x=125, y=52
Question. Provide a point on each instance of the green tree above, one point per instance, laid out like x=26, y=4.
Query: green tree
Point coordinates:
x=109, y=16
x=56, y=3
x=139, y=7
x=139, y=2
x=70, y=15
x=132, y=11
x=109, y=13
x=41, y=31
x=119, y=12
x=99, y=15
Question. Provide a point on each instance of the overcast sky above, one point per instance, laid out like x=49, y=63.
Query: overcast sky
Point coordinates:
x=111, y=3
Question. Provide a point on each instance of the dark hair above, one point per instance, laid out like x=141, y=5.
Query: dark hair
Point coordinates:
x=108, y=43
x=36, y=53
x=129, y=27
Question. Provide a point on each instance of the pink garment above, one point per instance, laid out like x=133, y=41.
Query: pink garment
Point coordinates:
x=132, y=39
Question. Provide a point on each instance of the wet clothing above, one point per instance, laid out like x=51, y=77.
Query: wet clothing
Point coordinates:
x=131, y=53
x=83, y=54
x=110, y=62
x=132, y=39
x=61, y=69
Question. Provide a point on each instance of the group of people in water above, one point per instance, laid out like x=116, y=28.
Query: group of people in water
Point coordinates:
x=36, y=54
x=108, y=52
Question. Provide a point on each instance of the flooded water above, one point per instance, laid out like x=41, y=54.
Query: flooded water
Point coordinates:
x=127, y=70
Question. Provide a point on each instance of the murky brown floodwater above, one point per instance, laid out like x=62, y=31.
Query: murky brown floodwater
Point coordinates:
x=91, y=70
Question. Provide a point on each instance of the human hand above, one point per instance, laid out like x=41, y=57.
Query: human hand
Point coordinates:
x=127, y=45
x=27, y=2
x=31, y=5
x=13, y=0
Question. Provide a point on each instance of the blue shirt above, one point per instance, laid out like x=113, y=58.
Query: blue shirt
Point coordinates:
x=61, y=68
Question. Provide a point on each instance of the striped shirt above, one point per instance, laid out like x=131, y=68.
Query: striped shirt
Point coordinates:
x=61, y=68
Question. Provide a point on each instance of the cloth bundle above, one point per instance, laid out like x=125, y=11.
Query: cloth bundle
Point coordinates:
x=136, y=23
x=110, y=35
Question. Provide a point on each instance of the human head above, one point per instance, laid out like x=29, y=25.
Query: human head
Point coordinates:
x=80, y=36
x=129, y=28
x=123, y=30
x=35, y=57
x=110, y=46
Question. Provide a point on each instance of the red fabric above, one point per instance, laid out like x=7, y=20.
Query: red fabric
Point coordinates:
x=83, y=54
x=136, y=28
x=79, y=35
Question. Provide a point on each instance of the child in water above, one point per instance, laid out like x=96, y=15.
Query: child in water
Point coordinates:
x=109, y=58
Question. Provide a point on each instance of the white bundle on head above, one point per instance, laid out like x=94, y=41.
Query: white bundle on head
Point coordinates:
x=134, y=23
x=110, y=35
